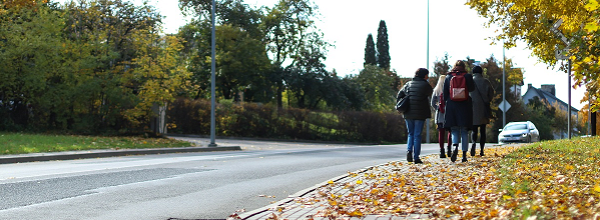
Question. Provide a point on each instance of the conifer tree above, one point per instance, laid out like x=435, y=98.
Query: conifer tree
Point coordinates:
x=370, y=52
x=383, y=46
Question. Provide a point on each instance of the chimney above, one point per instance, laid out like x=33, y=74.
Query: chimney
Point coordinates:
x=549, y=88
x=529, y=86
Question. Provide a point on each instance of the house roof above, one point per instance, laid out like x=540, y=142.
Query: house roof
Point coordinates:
x=546, y=95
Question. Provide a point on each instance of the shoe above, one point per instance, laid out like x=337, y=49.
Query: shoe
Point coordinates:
x=418, y=161
x=464, y=159
x=409, y=157
x=481, y=152
x=442, y=153
x=449, y=151
x=454, y=153
x=473, y=148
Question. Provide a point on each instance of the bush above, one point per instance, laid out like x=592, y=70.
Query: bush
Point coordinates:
x=254, y=120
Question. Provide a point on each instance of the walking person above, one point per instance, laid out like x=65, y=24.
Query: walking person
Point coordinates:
x=438, y=103
x=482, y=96
x=459, y=107
x=418, y=91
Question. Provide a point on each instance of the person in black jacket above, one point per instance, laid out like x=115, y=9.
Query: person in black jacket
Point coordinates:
x=419, y=91
x=459, y=114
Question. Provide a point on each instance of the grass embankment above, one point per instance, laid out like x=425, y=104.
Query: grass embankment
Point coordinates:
x=547, y=180
x=20, y=143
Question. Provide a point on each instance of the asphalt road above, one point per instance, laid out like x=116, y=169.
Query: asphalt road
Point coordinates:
x=208, y=185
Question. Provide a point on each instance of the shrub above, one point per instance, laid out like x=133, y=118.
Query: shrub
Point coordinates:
x=254, y=120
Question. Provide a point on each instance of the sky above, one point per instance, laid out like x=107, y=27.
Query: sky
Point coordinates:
x=454, y=29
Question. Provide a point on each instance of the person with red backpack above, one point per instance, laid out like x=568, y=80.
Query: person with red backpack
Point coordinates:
x=459, y=107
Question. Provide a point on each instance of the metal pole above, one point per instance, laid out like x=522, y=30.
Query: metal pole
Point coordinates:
x=212, y=79
x=503, y=85
x=427, y=66
x=569, y=110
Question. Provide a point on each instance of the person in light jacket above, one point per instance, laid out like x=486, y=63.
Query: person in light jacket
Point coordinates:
x=438, y=104
x=482, y=96
x=459, y=114
x=418, y=91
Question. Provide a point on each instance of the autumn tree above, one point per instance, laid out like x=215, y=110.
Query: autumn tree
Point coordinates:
x=370, y=52
x=533, y=22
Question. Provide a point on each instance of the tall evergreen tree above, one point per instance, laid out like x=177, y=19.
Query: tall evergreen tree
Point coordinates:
x=383, y=46
x=370, y=52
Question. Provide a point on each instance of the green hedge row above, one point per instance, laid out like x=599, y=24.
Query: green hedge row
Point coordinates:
x=254, y=120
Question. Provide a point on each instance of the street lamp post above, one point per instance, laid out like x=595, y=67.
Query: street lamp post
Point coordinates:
x=212, y=79
x=503, y=87
x=427, y=66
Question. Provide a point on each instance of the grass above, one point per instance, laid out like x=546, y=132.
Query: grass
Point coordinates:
x=554, y=179
x=22, y=143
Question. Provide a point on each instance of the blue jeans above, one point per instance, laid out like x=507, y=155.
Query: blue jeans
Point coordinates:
x=460, y=134
x=415, y=128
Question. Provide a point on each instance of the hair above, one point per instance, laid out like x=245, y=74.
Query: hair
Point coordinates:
x=421, y=73
x=477, y=69
x=460, y=63
x=439, y=87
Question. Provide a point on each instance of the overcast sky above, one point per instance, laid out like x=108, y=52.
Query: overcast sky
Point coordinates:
x=454, y=28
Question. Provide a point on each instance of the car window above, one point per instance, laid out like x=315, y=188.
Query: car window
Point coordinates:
x=516, y=127
x=533, y=126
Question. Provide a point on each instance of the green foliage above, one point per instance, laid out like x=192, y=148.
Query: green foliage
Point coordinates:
x=265, y=121
x=88, y=67
x=379, y=95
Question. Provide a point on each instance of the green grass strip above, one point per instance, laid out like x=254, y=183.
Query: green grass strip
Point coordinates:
x=22, y=143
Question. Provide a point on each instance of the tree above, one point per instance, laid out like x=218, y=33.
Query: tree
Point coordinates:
x=383, y=46
x=532, y=22
x=370, y=52
x=30, y=61
x=159, y=75
x=375, y=82
x=289, y=29
x=441, y=67
x=242, y=61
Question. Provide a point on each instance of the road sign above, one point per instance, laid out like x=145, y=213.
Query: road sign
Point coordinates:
x=504, y=106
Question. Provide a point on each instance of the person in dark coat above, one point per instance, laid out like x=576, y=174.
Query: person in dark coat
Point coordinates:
x=459, y=114
x=482, y=96
x=418, y=90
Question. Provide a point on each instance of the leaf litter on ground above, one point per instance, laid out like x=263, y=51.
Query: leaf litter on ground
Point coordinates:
x=545, y=180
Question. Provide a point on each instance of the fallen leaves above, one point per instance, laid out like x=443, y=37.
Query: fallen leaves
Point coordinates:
x=548, y=180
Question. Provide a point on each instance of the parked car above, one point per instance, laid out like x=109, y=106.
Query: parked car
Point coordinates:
x=519, y=132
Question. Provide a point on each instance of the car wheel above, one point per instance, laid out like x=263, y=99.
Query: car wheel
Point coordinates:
x=529, y=139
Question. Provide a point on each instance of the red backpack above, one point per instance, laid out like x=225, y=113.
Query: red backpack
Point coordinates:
x=458, y=88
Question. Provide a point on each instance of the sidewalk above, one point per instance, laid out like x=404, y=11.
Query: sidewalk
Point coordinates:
x=316, y=203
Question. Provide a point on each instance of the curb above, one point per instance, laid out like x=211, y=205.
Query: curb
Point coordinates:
x=74, y=155
x=290, y=198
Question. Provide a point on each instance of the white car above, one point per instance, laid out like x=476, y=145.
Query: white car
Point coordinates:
x=519, y=132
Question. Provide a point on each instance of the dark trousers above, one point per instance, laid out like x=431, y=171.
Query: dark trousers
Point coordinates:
x=480, y=129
